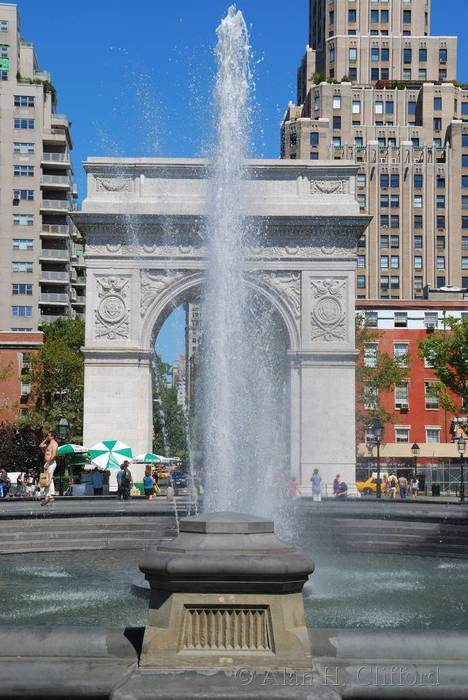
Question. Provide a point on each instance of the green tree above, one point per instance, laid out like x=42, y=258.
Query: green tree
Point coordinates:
x=447, y=352
x=57, y=378
x=382, y=374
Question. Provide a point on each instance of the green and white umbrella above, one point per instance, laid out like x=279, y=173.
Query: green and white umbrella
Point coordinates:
x=70, y=449
x=148, y=458
x=110, y=454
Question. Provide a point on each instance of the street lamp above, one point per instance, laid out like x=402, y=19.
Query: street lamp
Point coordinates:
x=63, y=428
x=415, y=450
x=461, y=443
x=377, y=430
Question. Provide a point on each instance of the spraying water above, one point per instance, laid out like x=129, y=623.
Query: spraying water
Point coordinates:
x=242, y=437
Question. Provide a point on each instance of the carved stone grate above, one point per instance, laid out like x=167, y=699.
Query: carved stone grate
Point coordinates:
x=227, y=628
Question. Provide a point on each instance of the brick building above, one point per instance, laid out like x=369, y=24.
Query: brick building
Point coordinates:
x=417, y=415
x=16, y=350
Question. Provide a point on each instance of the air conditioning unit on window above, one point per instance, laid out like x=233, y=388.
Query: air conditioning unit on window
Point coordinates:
x=404, y=406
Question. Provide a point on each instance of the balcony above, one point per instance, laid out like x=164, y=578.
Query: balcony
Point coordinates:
x=55, y=231
x=55, y=254
x=50, y=318
x=79, y=282
x=55, y=277
x=59, y=205
x=56, y=159
x=49, y=298
x=56, y=181
x=79, y=301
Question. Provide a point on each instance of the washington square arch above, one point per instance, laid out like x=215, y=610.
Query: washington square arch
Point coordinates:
x=143, y=222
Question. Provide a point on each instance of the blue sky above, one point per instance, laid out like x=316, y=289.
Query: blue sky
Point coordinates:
x=138, y=82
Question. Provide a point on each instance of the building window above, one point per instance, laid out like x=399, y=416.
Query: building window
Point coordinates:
x=384, y=180
x=440, y=282
x=23, y=170
x=361, y=198
x=375, y=54
x=337, y=122
x=411, y=107
x=440, y=264
x=352, y=15
x=395, y=262
x=406, y=16
x=361, y=180
x=384, y=262
x=418, y=242
x=361, y=281
x=400, y=353
x=23, y=148
x=374, y=16
x=440, y=221
x=352, y=54
x=20, y=289
x=418, y=222
x=401, y=395
x=384, y=283
x=407, y=56
x=314, y=155
x=401, y=319
x=394, y=180
x=3, y=25
x=418, y=181
x=440, y=183
x=21, y=267
x=437, y=104
x=432, y=435
x=24, y=195
x=23, y=123
x=371, y=397
x=465, y=140
x=464, y=242
x=402, y=434
x=418, y=262
x=440, y=201
x=395, y=201
x=443, y=56
x=465, y=161
x=440, y=242
x=23, y=244
x=336, y=102
x=24, y=101
x=314, y=138
x=356, y=107
x=394, y=241
x=418, y=201
x=21, y=311
x=361, y=260
x=465, y=182
x=379, y=107
x=23, y=220
x=464, y=263
x=370, y=354
x=372, y=319
x=432, y=401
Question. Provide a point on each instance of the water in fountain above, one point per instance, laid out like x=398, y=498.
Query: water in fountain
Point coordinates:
x=242, y=430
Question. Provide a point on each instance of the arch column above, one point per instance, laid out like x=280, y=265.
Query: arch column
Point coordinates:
x=118, y=397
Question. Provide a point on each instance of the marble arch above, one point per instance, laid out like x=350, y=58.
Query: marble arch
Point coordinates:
x=143, y=222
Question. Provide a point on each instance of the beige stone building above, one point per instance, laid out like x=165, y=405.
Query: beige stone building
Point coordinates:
x=375, y=88
x=41, y=263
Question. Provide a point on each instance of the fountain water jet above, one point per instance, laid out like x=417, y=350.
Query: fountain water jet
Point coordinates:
x=239, y=404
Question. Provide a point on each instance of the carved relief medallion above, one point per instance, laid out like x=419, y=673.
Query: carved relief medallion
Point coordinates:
x=328, y=186
x=329, y=310
x=113, y=184
x=112, y=314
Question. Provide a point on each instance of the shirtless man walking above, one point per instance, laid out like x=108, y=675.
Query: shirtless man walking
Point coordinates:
x=50, y=446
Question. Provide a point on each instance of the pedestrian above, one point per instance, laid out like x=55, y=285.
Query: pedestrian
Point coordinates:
x=124, y=481
x=46, y=479
x=20, y=490
x=5, y=483
x=385, y=486
x=316, y=481
x=97, y=481
x=392, y=485
x=30, y=485
x=336, y=481
x=414, y=488
x=293, y=488
x=149, y=484
x=403, y=483
x=170, y=493
x=342, y=490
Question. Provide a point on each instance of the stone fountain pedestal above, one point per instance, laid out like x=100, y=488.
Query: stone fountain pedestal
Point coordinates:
x=226, y=615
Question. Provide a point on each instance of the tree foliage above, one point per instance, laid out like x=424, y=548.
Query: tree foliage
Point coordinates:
x=384, y=375
x=57, y=378
x=170, y=422
x=19, y=447
x=447, y=353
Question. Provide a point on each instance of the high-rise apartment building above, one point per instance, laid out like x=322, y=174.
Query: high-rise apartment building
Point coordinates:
x=41, y=263
x=376, y=88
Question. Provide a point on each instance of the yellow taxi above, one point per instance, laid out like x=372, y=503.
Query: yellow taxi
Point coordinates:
x=367, y=488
